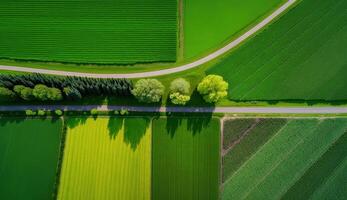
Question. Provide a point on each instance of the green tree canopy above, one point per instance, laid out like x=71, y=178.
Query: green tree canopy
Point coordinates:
x=72, y=93
x=23, y=92
x=148, y=90
x=179, y=91
x=6, y=94
x=179, y=99
x=44, y=93
x=180, y=85
x=213, y=88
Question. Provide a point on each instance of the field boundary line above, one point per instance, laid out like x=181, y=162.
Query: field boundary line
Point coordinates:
x=181, y=68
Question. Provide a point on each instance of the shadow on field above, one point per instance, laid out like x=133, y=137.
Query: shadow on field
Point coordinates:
x=20, y=119
x=134, y=130
x=73, y=122
x=114, y=125
x=195, y=122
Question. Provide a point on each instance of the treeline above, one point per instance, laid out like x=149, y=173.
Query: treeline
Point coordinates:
x=46, y=87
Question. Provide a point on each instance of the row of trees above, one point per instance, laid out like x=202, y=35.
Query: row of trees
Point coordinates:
x=81, y=85
x=212, y=88
x=39, y=92
x=54, y=88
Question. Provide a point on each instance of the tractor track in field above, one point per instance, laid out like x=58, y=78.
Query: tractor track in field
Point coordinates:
x=181, y=68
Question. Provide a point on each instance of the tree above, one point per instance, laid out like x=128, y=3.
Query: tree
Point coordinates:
x=179, y=99
x=55, y=94
x=44, y=93
x=148, y=90
x=18, y=89
x=41, y=112
x=6, y=94
x=23, y=92
x=94, y=112
x=179, y=91
x=72, y=93
x=58, y=112
x=41, y=92
x=213, y=88
x=180, y=85
x=30, y=112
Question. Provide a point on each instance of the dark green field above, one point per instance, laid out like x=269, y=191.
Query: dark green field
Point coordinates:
x=302, y=56
x=287, y=159
x=185, y=157
x=29, y=150
x=89, y=31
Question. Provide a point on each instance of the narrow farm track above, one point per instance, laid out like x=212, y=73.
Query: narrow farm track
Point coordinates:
x=253, y=110
x=184, y=67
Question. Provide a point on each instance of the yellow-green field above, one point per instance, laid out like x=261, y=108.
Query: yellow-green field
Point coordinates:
x=107, y=158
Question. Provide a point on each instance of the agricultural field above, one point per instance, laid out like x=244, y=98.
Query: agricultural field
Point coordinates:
x=285, y=158
x=29, y=152
x=185, y=158
x=207, y=25
x=107, y=158
x=301, y=56
x=89, y=31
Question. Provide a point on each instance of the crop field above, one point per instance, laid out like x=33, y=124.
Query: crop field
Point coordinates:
x=89, y=31
x=29, y=151
x=287, y=159
x=107, y=158
x=209, y=24
x=185, y=158
x=302, y=56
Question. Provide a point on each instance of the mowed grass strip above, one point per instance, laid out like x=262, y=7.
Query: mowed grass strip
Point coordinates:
x=207, y=24
x=107, y=158
x=29, y=153
x=89, y=31
x=185, y=158
x=299, y=57
x=284, y=159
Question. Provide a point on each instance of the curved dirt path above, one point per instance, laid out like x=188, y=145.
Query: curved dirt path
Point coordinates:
x=194, y=64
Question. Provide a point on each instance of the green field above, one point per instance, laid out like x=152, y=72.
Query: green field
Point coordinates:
x=289, y=159
x=209, y=24
x=89, y=31
x=302, y=56
x=107, y=158
x=185, y=159
x=29, y=151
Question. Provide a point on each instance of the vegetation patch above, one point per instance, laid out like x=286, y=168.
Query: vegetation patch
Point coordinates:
x=299, y=57
x=185, y=158
x=106, y=158
x=291, y=155
x=29, y=153
x=209, y=24
x=89, y=31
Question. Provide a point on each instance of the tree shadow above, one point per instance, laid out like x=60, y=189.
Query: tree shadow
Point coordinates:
x=172, y=123
x=196, y=122
x=72, y=122
x=134, y=130
x=114, y=125
x=11, y=120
